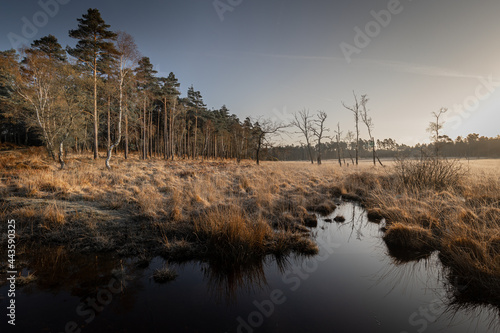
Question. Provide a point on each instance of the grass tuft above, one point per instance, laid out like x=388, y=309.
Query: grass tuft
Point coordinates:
x=410, y=237
x=164, y=275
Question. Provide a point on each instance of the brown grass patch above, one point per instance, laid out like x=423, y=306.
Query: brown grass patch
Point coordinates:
x=411, y=237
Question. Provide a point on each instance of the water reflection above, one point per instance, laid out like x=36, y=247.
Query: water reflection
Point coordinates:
x=82, y=275
x=362, y=277
x=455, y=300
x=226, y=281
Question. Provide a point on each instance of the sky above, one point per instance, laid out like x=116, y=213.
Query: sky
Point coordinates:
x=272, y=58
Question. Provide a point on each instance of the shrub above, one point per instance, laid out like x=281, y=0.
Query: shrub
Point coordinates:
x=429, y=173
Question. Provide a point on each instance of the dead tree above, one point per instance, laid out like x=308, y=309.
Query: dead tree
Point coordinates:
x=434, y=128
x=263, y=131
x=303, y=121
x=349, y=138
x=355, y=109
x=319, y=131
x=338, y=135
x=367, y=120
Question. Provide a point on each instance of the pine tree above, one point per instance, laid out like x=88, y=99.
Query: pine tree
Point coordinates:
x=195, y=102
x=147, y=85
x=94, y=50
x=170, y=93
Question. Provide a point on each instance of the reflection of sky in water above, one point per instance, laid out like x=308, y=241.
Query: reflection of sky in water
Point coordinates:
x=352, y=286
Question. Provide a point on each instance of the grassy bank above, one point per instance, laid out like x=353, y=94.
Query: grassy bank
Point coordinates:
x=178, y=209
x=195, y=209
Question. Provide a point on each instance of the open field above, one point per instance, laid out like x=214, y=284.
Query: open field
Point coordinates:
x=200, y=209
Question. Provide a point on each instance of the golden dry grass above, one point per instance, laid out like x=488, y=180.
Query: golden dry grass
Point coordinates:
x=154, y=201
x=178, y=205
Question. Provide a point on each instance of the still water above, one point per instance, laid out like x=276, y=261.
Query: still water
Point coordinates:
x=353, y=285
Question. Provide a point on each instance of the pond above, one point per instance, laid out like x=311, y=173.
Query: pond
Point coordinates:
x=353, y=285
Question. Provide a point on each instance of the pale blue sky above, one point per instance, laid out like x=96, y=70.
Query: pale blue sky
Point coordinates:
x=274, y=57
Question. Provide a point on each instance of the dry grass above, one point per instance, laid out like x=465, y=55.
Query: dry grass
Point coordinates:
x=411, y=237
x=164, y=275
x=143, y=203
x=227, y=231
x=27, y=279
x=184, y=208
x=461, y=220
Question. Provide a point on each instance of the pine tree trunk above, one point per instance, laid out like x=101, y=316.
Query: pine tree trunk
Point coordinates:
x=165, y=136
x=195, y=156
x=144, y=151
x=96, y=119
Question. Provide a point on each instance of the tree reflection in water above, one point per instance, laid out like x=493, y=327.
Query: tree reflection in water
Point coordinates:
x=226, y=280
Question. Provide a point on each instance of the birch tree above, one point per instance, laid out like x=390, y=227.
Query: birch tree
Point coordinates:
x=127, y=61
x=47, y=87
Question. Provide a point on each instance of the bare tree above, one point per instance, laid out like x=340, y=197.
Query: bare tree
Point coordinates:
x=349, y=138
x=263, y=131
x=319, y=130
x=303, y=121
x=338, y=135
x=367, y=120
x=355, y=109
x=434, y=128
x=128, y=58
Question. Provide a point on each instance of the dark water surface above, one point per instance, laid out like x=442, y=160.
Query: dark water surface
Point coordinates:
x=353, y=285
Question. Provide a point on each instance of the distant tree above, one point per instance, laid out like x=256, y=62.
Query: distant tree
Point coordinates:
x=338, y=136
x=351, y=141
x=263, y=130
x=355, y=109
x=319, y=131
x=367, y=120
x=93, y=50
x=303, y=121
x=195, y=102
x=434, y=128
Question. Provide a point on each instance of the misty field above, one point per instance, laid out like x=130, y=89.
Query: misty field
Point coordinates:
x=236, y=211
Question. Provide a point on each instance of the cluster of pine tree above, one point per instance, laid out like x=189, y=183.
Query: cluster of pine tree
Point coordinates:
x=103, y=95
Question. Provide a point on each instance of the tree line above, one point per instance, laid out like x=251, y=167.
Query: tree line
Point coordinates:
x=103, y=95
x=471, y=146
